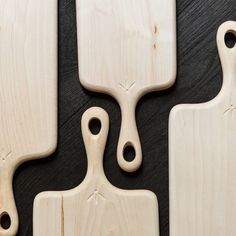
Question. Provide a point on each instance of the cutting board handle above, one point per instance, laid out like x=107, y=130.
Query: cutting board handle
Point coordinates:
x=95, y=142
x=8, y=213
x=227, y=54
x=129, y=138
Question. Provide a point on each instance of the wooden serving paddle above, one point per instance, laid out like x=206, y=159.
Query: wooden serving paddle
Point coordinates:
x=96, y=208
x=203, y=157
x=28, y=92
x=127, y=49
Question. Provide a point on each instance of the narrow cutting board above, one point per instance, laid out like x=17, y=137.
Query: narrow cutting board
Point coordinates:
x=127, y=48
x=203, y=157
x=28, y=91
x=96, y=208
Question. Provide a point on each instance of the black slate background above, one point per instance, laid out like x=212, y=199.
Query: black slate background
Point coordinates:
x=199, y=79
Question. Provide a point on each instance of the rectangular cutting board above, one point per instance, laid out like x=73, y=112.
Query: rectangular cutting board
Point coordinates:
x=127, y=48
x=95, y=207
x=28, y=91
x=203, y=157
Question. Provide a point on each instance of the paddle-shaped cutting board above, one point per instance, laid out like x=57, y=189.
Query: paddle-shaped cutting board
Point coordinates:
x=203, y=157
x=96, y=208
x=127, y=49
x=28, y=91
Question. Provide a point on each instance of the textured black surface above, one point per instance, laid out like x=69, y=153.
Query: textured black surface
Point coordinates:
x=199, y=79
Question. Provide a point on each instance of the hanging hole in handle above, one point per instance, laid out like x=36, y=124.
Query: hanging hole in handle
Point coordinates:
x=230, y=39
x=129, y=152
x=5, y=221
x=95, y=126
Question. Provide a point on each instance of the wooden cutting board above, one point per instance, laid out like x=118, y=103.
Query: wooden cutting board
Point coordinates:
x=28, y=92
x=203, y=157
x=127, y=49
x=96, y=208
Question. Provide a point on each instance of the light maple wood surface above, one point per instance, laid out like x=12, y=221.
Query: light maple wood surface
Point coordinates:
x=28, y=91
x=127, y=49
x=95, y=207
x=203, y=157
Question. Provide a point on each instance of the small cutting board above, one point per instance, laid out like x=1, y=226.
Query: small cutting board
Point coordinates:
x=28, y=92
x=96, y=208
x=127, y=49
x=203, y=157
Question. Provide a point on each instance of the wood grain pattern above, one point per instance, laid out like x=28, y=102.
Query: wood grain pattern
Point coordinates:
x=96, y=207
x=202, y=157
x=127, y=49
x=28, y=91
x=199, y=80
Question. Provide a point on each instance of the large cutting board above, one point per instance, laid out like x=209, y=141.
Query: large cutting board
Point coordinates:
x=28, y=91
x=203, y=157
x=127, y=49
x=96, y=208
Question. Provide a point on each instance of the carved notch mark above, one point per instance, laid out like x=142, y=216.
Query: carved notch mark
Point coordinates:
x=96, y=196
x=127, y=87
x=230, y=110
x=4, y=154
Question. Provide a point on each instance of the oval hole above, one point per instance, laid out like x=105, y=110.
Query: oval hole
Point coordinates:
x=95, y=126
x=230, y=39
x=129, y=153
x=5, y=221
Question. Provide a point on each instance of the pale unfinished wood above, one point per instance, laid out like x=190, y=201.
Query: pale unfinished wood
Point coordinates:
x=96, y=208
x=203, y=157
x=127, y=49
x=28, y=91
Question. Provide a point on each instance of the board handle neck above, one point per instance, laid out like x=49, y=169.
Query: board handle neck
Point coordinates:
x=8, y=213
x=129, y=141
x=227, y=54
x=95, y=127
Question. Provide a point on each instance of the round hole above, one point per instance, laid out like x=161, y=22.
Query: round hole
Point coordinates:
x=129, y=153
x=95, y=126
x=5, y=221
x=230, y=39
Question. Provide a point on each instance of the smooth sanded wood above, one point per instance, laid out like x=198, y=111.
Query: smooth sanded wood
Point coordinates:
x=127, y=49
x=203, y=157
x=28, y=91
x=96, y=208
